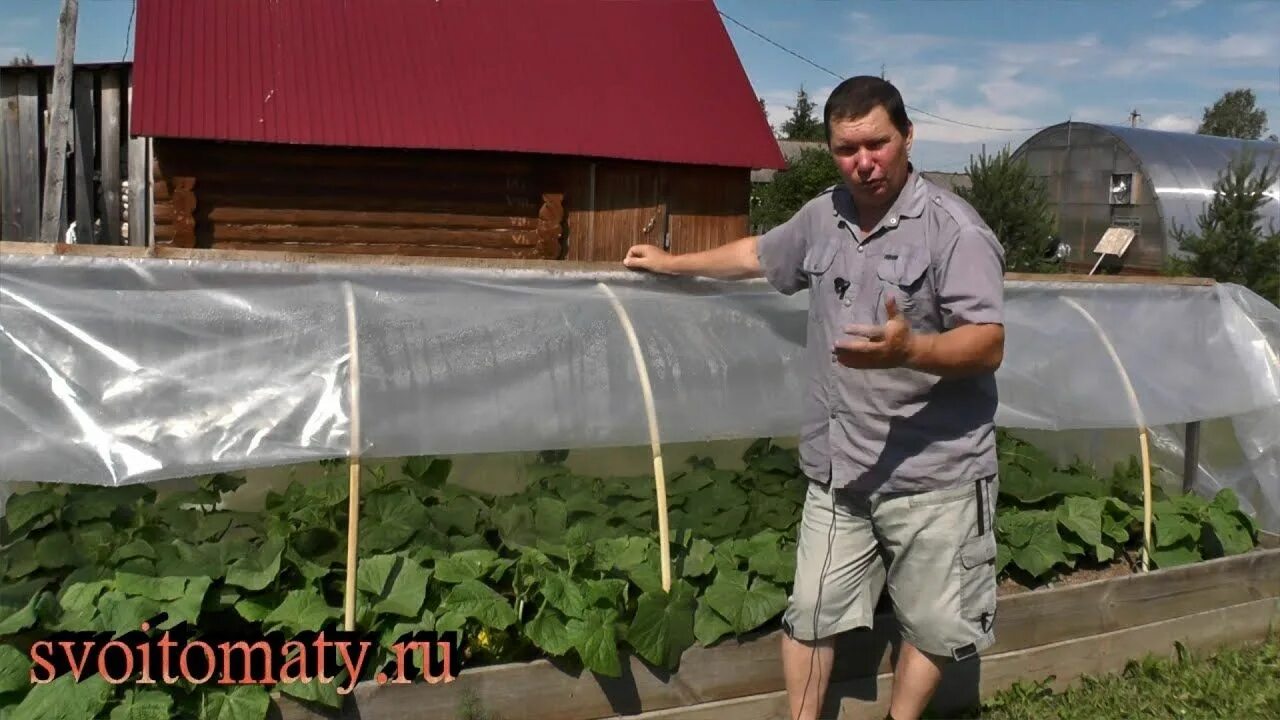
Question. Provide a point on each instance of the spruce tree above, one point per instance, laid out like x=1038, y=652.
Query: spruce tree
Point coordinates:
x=1231, y=244
x=802, y=125
x=1015, y=204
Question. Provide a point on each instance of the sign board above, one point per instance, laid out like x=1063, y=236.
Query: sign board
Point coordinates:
x=1115, y=241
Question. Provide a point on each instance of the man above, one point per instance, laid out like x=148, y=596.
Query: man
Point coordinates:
x=905, y=334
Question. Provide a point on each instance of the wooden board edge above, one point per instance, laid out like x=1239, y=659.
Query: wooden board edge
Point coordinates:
x=1268, y=540
x=23, y=248
x=1068, y=661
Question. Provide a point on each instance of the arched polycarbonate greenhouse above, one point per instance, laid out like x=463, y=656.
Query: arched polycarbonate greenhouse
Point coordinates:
x=1150, y=181
x=587, y=474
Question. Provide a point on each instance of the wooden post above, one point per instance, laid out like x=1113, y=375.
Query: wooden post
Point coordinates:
x=139, y=187
x=353, y=498
x=110, y=154
x=60, y=124
x=655, y=442
x=1141, y=422
x=85, y=149
x=1191, y=457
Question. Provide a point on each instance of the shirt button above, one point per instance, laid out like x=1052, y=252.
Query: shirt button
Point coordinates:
x=847, y=302
x=859, y=248
x=893, y=222
x=833, y=414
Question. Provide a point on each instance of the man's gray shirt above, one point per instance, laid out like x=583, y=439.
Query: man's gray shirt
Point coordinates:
x=893, y=430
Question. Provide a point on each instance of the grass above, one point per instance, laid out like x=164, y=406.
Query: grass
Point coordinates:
x=1237, y=683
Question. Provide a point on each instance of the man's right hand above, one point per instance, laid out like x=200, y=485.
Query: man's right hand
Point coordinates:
x=648, y=257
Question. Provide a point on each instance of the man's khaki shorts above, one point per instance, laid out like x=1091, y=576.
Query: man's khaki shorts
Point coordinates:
x=936, y=550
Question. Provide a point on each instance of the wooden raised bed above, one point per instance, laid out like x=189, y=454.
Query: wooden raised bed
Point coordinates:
x=1065, y=632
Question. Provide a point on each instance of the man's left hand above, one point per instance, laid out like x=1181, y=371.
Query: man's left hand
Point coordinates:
x=882, y=346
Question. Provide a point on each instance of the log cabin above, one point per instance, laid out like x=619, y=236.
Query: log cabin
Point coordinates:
x=549, y=129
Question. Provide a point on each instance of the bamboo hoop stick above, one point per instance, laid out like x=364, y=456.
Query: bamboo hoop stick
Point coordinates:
x=353, y=498
x=655, y=443
x=1141, y=421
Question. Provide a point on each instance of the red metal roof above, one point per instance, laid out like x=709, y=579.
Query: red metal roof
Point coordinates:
x=639, y=79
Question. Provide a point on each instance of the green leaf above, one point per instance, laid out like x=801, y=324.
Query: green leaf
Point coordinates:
x=605, y=594
x=515, y=527
x=724, y=524
x=548, y=631
x=1226, y=500
x=390, y=520
x=475, y=600
x=622, y=553
x=301, y=611
x=1171, y=528
x=18, y=605
x=1082, y=516
x=96, y=503
x=700, y=559
x=1229, y=535
x=32, y=510
x=255, y=609
x=144, y=705
x=427, y=472
x=154, y=588
x=596, y=639
x=134, y=549
x=119, y=613
x=55, y=551
x=407, y=592
x=466, y=565
x=662, y=628
x=64, y=699
x=187, y=608
x=774, y=562
x=256, y=570
x=244, y=702
x=1183, y=552
x=1036, y=486
x=1044, y=551
x=708, y=625
x=15, y=669
x=321, y=693
x=564, y=594
x=373, y=574
x=550, y=518
x=22, y=559
x=746, y=608
x=222, y=483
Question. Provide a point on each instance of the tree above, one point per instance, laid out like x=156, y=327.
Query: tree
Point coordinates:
x=1234, y=115
x=24, y=61
x=1015, y=204
x=802, y=125
x=1231, y=245
x=808, y=174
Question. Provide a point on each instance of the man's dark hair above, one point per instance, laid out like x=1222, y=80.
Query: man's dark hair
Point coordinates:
x=858, y=96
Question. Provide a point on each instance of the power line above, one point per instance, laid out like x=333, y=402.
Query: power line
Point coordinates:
x=838, y=76
x=128, y=32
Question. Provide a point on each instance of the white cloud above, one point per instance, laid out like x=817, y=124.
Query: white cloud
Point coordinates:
x=1011, y=94
x=1240, y=47
x=1177, y=7
x=1173, y=123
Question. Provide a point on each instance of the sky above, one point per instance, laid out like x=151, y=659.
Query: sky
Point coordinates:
x=1007, y=67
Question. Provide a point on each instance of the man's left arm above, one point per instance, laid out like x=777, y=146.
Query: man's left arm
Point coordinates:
x=970, y=296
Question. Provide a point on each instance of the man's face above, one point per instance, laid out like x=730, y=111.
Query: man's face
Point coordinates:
x=872, y=157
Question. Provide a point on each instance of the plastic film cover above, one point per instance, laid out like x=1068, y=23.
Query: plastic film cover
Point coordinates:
x=118, y=371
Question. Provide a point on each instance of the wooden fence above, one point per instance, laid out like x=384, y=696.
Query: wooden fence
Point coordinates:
x=107, y=186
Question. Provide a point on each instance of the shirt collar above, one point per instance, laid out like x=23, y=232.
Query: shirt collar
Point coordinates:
x=909, y=203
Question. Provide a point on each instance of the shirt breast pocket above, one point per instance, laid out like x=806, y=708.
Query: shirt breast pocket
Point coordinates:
x=903, y=276
x=817, y=261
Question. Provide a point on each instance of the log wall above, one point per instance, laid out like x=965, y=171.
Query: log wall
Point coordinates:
x=449, y=204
